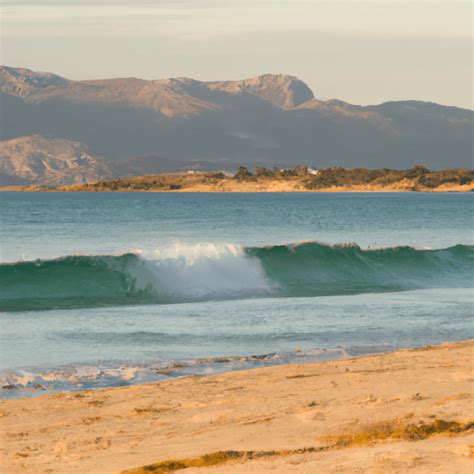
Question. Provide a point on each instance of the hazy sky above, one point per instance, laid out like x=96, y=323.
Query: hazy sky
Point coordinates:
x=359, y=51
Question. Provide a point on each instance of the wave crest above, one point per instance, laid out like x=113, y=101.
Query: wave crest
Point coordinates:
x=227, y=271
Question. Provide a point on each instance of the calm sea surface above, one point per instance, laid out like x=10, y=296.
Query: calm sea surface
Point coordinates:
x=106, y=289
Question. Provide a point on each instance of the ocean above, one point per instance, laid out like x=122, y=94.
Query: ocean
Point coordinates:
x=112, y=289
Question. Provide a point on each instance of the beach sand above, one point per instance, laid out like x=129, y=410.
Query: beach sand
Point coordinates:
x=204, y=182
x=407, y=411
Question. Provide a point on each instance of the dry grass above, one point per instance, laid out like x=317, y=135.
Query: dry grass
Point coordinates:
x=217, y=458
x=369, y=435
x=213, y=459
x=399, y=431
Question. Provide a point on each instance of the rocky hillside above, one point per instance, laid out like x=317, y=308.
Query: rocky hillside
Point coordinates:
x=24, y=83
x=180, y=97
x=38, y=160
x=268, y=120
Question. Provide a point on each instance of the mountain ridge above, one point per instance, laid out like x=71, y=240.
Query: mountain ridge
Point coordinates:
x=281, y=90
x=249, y=85
x=269, y=120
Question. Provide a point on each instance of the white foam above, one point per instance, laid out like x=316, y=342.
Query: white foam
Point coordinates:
x=21, y=378
x=203, y=269
x=194, y=252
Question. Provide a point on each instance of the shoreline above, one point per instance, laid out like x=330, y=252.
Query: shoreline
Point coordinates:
x=299, y=180
x=342, y=415
x=249, y=190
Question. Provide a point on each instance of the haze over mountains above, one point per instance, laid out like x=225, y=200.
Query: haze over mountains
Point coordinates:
x=102, y=128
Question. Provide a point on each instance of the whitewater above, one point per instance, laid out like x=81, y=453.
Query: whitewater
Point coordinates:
x=106, y=289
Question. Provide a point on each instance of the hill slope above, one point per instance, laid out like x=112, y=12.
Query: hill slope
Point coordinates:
x=38, y=160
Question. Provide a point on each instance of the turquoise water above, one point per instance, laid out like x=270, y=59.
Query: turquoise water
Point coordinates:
x=106, y=289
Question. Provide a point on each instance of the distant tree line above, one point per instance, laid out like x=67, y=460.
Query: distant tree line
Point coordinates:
x=273, y=173
x=338, y=176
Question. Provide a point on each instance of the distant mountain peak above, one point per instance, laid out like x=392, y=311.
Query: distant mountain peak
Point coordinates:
x=282, y=90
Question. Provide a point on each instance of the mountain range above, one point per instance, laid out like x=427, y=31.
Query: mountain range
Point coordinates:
x=55, y=130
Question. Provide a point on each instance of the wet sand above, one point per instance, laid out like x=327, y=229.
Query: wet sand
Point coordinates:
x=407, y=411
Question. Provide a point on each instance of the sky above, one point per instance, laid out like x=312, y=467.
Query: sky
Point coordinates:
x=363, y=52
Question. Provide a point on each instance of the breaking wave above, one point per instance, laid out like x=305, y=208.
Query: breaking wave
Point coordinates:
x=227, y=271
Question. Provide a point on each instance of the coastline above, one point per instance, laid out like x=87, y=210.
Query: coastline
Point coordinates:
x=404, y=411
x=237, y=188
x=330, y=180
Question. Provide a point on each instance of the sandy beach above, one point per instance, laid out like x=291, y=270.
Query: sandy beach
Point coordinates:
x=190, y=185
x=236, y=237
x=407, y=411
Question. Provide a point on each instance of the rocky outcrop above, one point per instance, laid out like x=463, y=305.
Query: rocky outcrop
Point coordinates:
x=40, y=160
x=281, y=90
